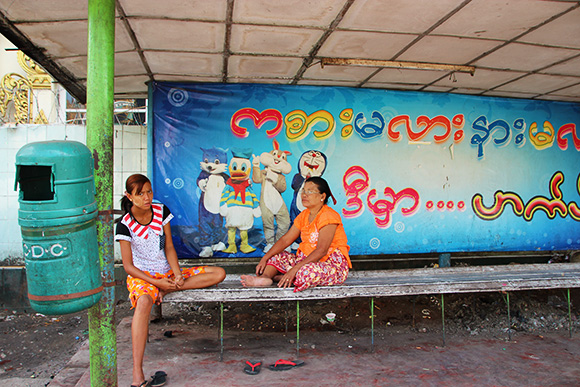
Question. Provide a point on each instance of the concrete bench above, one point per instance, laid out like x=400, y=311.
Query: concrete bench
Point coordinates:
x=385, y=283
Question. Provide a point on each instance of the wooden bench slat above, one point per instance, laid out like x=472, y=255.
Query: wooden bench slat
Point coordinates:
x=382, y=283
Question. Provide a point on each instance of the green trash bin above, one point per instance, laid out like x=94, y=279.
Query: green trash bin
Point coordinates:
x=57, y=217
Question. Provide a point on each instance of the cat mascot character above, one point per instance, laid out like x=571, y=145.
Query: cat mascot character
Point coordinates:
x=239, y=205
x=274, y=211
x=211, y=181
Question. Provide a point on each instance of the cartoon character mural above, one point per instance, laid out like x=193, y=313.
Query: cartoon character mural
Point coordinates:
x=211, y=181
x=239, y=205
x=275, y=215
x=311, y=163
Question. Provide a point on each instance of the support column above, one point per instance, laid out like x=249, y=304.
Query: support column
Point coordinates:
x=297, y=329
x=100, y=105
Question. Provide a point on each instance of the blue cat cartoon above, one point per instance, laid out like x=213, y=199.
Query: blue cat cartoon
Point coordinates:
x=211, y=181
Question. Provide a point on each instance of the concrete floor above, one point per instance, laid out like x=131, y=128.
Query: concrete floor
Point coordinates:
x=191, y=358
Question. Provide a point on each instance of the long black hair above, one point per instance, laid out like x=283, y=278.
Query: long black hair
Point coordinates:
x=323, y=187
x=134, y=183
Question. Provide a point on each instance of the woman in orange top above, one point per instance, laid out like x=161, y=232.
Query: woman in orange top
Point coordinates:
x=322, y=257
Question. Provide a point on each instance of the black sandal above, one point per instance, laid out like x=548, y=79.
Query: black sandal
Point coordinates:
x=144, y=383
x=159, y=379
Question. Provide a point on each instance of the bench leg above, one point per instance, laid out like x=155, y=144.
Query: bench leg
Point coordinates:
x=297, y=329
x=286, y=317
x=507, y=295
x=569, y=314
x=443, y=317
x=509, y=328
x=372, y=324
x=221, y=331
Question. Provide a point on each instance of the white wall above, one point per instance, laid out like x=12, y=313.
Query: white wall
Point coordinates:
x=130, y=156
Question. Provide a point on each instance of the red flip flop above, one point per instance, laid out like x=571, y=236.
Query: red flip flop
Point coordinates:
x=252, y=367
x=284, y=365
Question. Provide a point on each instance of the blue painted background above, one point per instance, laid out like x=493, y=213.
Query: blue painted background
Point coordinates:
x=491, y=149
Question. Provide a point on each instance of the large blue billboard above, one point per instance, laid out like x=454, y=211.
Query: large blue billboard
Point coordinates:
x=413, y=172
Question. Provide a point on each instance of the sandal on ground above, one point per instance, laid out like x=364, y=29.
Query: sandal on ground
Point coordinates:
x=253, y=367
x=159, y=379
x=144, y=383
x=284, y=365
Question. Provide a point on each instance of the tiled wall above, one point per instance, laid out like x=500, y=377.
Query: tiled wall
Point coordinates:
x=130, y=156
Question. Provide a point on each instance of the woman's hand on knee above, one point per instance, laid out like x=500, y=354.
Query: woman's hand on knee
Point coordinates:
x=260, y=267
x=179, y=281
x=165, y=284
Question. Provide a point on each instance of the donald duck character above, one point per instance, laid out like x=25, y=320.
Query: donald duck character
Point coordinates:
x=239, y=205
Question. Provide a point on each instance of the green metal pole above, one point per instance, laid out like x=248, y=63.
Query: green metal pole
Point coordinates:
x=569, y=313
x=443, y=316
x=372, y=324
x=509, y=316
x=297, y=329
x=100, y=104
x=221, y=331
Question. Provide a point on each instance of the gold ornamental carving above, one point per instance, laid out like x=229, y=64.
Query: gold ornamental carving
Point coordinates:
x=18, y=90
x=39, y=79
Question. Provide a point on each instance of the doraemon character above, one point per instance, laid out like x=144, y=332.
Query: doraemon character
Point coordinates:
x=211, y=181
x=311, y=163
x=239, y=205
x=275, y=215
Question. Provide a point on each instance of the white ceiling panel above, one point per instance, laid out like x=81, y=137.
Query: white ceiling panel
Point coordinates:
x=273, y=40
x=179, y=35
x=447, y=49
x=272, y=81
x=481, y=79
x=184, y=63
x=126, y=63
x=396, y=15
x=287, y=12
x=268, y=67
x=393, y=86
x=524, y=57
x=338, y=73
x=438, y=89
x=561, y=98
x=569, y=67
x=509, y=94
x=572, y=91
x=500, y=19
x=322, y=82
x=537, y=83
x=187, y=78
x=561, y=32
x=20, y=10
x=132, y=85
x=62, y=39
x=463, y=90
x=284, y=41
x=391, y=75
x=77, y=65
x=213, y=10
x=364, y=45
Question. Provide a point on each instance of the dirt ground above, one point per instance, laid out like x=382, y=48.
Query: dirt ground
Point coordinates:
x=34, y=347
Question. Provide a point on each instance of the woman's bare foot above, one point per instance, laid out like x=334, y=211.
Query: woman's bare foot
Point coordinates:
x=253, y=281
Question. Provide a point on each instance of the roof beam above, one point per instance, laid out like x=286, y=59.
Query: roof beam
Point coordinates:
x=63, y=76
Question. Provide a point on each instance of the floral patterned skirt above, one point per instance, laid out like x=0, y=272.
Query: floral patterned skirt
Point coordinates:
x=333, y=271
x=138, y=287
